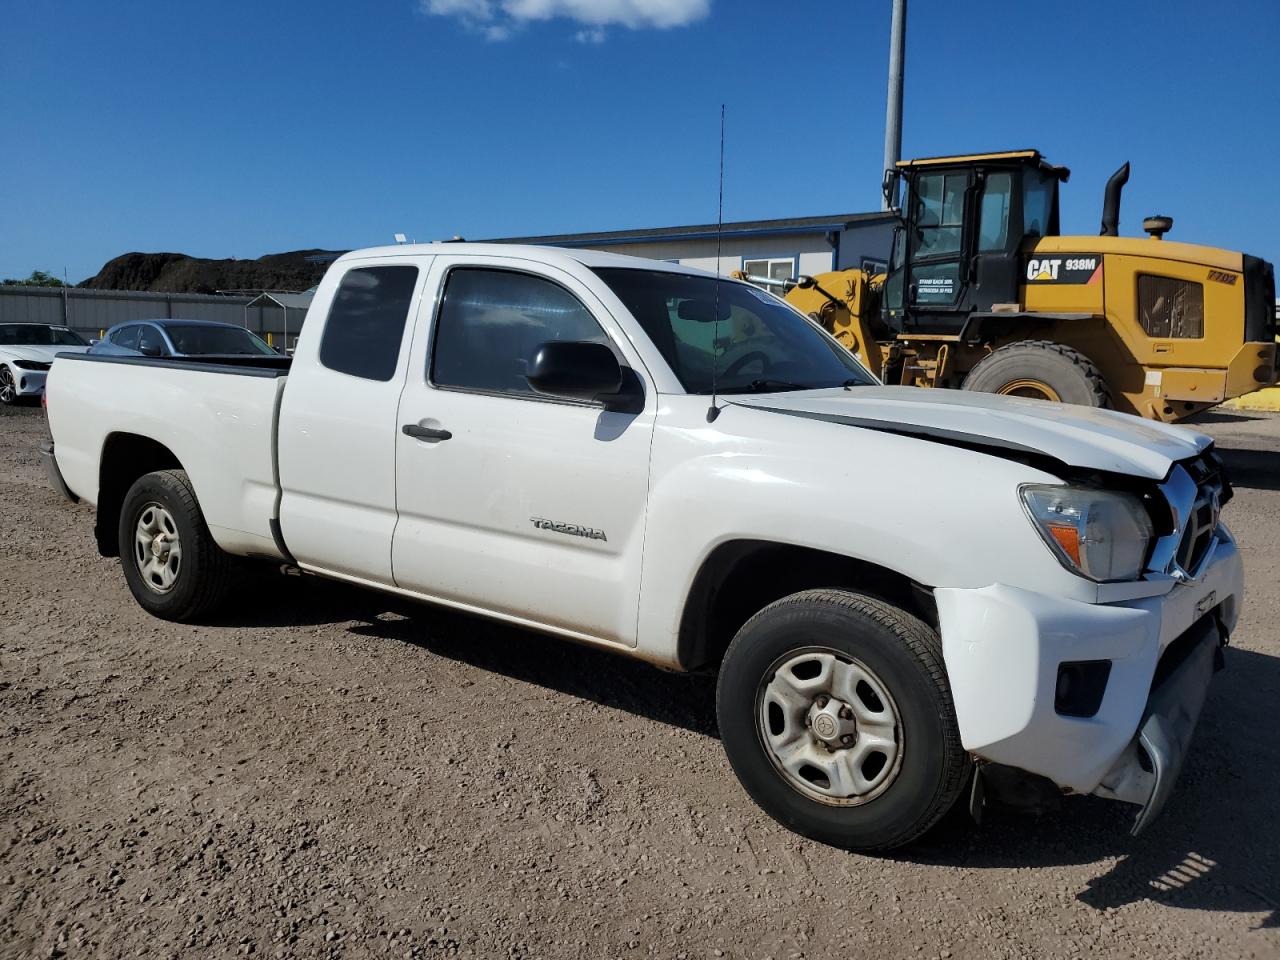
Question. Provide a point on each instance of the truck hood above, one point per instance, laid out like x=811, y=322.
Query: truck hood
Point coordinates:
x=40, y=354
x=1080, y=437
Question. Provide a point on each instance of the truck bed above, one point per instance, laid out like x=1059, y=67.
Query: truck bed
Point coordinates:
x=215, y=415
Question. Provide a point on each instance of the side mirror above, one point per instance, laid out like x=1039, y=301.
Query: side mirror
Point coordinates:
x=149, y=351
x=577, y=370
x=94, y=342
x=889, y=188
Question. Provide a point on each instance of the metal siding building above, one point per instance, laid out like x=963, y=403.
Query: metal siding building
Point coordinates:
x=783, y=248
x=90, y=312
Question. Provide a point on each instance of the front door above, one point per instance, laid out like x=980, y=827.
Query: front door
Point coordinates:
x=509, y=501
x=935, y=247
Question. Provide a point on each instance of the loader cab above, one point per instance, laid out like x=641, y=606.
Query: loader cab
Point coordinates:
x=964, y=222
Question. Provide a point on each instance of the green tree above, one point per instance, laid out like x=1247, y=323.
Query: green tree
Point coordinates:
x=38, y=278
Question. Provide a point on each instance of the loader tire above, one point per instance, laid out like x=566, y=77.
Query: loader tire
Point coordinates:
x=1042, y=370
x=171, y=563
x=836, y=714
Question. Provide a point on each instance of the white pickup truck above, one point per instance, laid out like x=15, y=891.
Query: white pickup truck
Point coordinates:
x=899, y=588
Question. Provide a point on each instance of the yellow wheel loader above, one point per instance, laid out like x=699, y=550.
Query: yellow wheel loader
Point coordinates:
x=983, y=294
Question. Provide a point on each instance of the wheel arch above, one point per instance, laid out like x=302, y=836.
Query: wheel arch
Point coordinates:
x=125, y=458
x=741, y=577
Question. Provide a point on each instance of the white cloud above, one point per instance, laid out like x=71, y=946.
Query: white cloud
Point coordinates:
x=498, y=19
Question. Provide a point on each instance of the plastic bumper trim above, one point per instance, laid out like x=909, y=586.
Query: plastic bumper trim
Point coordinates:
x=1167, y=726
x=53, y=473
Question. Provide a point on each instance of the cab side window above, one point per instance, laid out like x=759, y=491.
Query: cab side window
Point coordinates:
x=365, y=326
x=491, y=322
x=126, y=337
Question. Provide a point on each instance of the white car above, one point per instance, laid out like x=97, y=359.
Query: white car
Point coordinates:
x=899, y=588
x=26, y=353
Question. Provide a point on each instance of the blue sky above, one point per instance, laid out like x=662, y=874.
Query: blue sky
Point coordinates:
x=253, y=126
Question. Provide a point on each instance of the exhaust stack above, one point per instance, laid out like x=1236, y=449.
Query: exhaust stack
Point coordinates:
x=1111, y=202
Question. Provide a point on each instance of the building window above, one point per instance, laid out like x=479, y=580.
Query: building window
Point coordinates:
x=773, y=268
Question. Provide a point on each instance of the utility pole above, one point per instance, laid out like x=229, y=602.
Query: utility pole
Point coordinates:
x=893, y=111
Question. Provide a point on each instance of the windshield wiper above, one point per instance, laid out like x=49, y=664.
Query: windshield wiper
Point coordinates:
x=766, y=384
x=854, y=383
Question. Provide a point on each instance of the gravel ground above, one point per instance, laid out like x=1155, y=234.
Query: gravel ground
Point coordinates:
x=330, y=773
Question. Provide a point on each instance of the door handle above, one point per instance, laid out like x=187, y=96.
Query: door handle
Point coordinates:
x=428, y=434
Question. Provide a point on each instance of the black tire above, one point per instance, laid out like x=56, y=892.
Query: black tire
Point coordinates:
x=8, y=388
x=1064, y=370
x=204, y=576
x=906, y=657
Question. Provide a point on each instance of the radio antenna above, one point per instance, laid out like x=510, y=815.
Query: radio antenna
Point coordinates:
x=713, y=411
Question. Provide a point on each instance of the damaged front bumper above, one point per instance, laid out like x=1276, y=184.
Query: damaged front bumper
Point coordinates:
x=1149, y=767
x=1014, y=658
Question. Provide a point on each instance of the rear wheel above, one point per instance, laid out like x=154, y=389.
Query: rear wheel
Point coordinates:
x=836, y=715
x=1041, y=370
x=173, y=567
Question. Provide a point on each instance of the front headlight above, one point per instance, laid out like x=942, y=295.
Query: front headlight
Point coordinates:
x=1098, y=534
x=30, y=365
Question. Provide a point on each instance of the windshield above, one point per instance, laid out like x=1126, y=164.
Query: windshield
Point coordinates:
x=38, y=335
x=759, y=344
x=194, y=340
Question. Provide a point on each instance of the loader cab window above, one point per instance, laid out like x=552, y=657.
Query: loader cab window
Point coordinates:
x=993, y=219
x=894, y=281
x=939, y=213
x=1039, y=206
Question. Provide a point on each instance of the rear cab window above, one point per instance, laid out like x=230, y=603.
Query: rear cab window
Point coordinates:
x=365, y=327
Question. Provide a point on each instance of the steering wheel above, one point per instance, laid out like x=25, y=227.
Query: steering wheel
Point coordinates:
x=749, y=357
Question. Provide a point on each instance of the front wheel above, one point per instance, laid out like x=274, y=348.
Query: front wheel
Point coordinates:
x=836, y=715
x=8, y=389
x=173, y=567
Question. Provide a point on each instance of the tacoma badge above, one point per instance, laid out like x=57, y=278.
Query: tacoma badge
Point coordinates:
x=572, y=529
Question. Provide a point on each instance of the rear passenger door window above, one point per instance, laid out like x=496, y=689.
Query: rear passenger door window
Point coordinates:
x=491, y=322
x=365, y=327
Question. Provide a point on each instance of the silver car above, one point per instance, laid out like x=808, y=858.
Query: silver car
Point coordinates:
x=180, y=338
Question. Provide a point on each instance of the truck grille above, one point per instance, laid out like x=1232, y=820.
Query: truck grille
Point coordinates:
x=1211, y=491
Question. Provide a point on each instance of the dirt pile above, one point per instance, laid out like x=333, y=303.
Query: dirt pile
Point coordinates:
x=179, y=273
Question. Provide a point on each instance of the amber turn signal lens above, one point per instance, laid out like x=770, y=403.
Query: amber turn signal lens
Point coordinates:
x=1068, y=538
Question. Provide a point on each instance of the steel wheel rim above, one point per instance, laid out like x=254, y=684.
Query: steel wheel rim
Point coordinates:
x=157, y=548
x=830, y=726
x=1030, y=388
x=7, y=389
